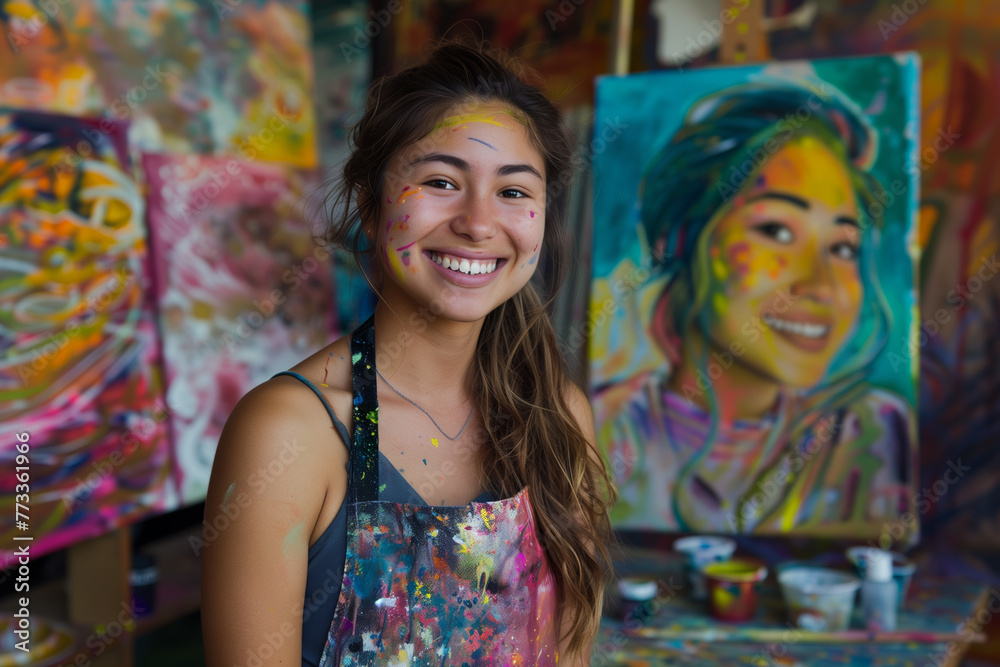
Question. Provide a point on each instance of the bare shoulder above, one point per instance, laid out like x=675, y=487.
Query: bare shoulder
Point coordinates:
x=278, y=479
x=579, y=405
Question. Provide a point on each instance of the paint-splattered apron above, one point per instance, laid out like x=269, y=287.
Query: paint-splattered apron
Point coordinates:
x=435, y=585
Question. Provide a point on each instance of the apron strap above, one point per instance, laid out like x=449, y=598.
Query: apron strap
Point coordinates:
x=364, y=453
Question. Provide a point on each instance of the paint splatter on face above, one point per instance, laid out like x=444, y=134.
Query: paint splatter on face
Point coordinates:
x=478, y=117
x=403, y=196
x=783, y=266
x=482, y=142
x=440, y=217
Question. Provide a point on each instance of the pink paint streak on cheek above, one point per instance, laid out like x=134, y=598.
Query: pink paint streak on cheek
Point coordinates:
x=402, y=223
x=531, y=213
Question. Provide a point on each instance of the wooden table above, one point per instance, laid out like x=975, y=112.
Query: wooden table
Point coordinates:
x=937, y=622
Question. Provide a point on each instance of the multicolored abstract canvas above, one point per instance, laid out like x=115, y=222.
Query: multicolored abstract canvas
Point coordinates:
x=242, y=289
x=79, y=351
x=569, y=43
x=343, y=72
x=754, y=261
x=959, y=236
x=225, y=77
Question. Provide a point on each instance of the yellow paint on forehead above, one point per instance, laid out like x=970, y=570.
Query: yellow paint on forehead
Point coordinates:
x=477, y=117
x=807, y=168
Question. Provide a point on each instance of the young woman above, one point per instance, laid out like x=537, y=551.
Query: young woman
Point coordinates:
x=769, y=308
x=426, y=491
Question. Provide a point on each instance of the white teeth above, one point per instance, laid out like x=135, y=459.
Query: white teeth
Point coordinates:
x=799, y=328
x=472, y=268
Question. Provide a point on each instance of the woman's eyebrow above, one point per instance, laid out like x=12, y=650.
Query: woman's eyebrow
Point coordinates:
x=782, y=196
x=456, y=162
x=509, y=169
x=847, y=220
x=462, y=165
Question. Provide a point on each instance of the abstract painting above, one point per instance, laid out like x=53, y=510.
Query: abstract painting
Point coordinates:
x=79, y=351
x=959, y=237
x=226, y=77
x=569, y=43
x=343, y=56
x=242, y=290
x=754, y=259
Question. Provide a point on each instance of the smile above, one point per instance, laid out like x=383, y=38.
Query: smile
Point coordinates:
x=804, y=329
x=464, y=265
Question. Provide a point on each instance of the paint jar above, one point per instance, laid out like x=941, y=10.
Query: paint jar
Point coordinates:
x=638, y=599
x=819, y=599
x=699, y=551
x=732, y=588
x=902, y=569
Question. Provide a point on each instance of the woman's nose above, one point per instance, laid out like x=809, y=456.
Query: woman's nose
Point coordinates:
x=477, y=220
x=815, y=279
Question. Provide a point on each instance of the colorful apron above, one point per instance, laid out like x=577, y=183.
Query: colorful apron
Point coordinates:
x=435, y=585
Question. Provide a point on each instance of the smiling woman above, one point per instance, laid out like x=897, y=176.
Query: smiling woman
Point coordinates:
x=769, y=309
x=460, y=514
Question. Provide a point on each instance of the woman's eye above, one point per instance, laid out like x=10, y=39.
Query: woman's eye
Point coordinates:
x=511, y=193
x=845, y=251
x=777, y=231
x=440, y=183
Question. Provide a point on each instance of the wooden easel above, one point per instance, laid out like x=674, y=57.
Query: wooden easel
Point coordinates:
x=97, y=587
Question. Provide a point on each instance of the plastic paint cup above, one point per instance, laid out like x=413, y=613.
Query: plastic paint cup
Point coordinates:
x=699, y=552
x=638, y=597
x=819, y=599
x=732, y=591
x=902, y=568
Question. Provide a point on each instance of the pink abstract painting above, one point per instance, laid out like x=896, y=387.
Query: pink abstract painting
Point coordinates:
x=242, y=290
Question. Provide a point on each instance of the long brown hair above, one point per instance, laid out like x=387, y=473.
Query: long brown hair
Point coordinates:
x=532, y=438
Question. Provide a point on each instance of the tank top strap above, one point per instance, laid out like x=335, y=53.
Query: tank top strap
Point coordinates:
x=364, y=453
x=339, y=425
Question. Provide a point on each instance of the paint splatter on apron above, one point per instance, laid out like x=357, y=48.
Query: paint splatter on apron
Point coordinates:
x=428, y=585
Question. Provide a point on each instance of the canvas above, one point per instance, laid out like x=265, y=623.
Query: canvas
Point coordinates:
x=568, y=43
x=225, y=77
x=242, y=290
x=343, y=58
x=80, y=370
x=754, y=258
x=959, y=498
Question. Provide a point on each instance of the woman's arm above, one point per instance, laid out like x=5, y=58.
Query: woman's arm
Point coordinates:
x=269, y=480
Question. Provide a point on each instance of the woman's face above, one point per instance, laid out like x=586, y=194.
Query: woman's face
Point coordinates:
x=462, y=215
x=783, y=267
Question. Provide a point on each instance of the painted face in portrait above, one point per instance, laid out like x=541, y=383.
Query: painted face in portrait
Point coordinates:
x=462, y=218
x=785, y=289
